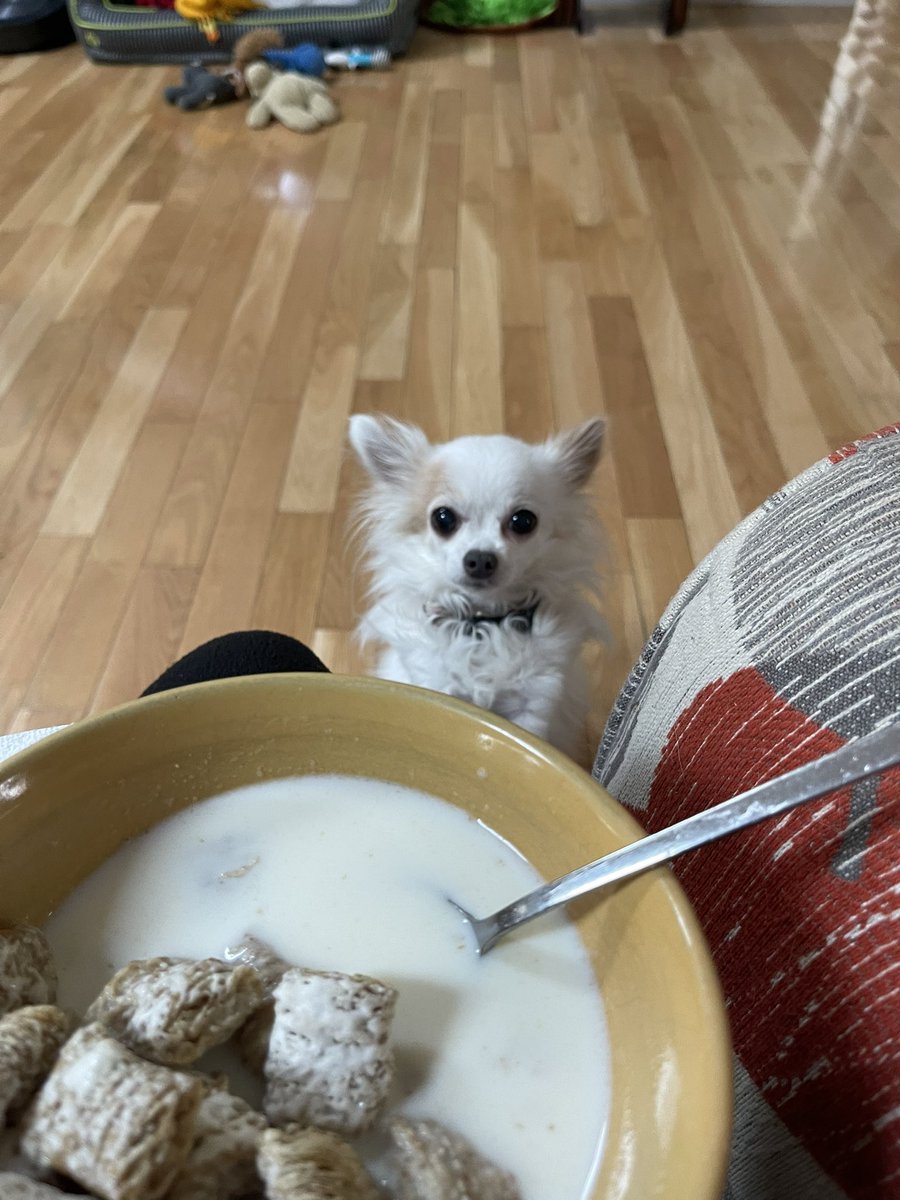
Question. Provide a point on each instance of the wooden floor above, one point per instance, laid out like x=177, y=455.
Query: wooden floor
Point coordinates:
x=699, y=238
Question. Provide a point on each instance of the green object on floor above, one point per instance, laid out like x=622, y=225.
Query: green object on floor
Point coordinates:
x=465, y=14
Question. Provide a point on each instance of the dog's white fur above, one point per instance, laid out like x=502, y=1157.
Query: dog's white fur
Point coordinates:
x=422, y=600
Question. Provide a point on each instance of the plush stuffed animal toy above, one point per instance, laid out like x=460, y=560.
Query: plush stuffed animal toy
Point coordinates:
x=297, y=101
x=251, y=46
x=247, y=49
x=200, y=88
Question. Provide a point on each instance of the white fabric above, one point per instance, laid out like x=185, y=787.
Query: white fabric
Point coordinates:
x=12, y=743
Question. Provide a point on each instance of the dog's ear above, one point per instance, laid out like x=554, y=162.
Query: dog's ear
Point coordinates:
x=577, y=451
x=391, y=451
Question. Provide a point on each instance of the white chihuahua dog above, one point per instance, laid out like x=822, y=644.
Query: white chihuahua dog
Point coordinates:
x=483, y=555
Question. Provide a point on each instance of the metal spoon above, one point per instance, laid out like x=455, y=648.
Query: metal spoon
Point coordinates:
x=868, y=755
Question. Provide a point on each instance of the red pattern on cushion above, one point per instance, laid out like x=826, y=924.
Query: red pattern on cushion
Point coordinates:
x=838, y=456
x=777, y=915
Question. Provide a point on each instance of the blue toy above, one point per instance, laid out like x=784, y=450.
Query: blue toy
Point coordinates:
x=305, y=59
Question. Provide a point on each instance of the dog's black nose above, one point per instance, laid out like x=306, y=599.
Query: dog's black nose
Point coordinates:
x=480, y=564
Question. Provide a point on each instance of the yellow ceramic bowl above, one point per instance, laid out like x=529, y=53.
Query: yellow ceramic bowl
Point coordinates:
x=68, y=802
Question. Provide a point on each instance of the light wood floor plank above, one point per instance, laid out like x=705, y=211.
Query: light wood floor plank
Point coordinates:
x=75, y=656
x=660, y=559
x=27, y=258
x=335, y=647
x=218, y=195
x=64, y=188
x=85, y=492
x=756, y=341
x=386, y=339
x=112, y=259
x=527, y=394
x=574, y=374
x=31, y=611
x=284, y=369
x=521, y=297
x=234, y=567
x=61, y=419
x=182, y=534
x=553, y=215
x=477, y=379
x=291, y=584
x=586, y=183
x=510, y=132
x=428, y=393
x=403, y=211
x=149, y=635
x=196, y=356
x=254, y=317
x=646, y=486
x=186, y=524
x=311, y=479
x=708, y=500
x=478, y=157
x=437, y=244
x=342, y=160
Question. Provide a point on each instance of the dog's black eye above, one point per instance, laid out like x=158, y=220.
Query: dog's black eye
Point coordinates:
x=522, y=521
x=444, y=521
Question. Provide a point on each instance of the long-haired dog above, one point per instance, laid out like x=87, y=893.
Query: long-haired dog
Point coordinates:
x=483, y=558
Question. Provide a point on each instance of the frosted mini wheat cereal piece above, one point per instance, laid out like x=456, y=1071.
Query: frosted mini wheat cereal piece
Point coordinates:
x=27, y=973
x=435, y=1164
x=120, y=1127
x=221, y=1164
x=20, y=1187
x=311, y=1164
x=173, y=1010
x=254, y=952
x=30, y=1039
x=253, y=1038
x=328, y=1062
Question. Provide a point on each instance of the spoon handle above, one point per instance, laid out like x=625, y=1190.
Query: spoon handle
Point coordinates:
x=868, y=755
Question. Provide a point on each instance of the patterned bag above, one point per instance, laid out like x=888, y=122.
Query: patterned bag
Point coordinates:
x=781, y=646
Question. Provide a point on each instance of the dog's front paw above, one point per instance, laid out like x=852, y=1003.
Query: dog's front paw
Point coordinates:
x=531, y=721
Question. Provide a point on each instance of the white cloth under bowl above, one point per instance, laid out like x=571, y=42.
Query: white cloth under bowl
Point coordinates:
x=12, y=743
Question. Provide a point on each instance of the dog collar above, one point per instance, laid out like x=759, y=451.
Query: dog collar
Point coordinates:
x=520, y=620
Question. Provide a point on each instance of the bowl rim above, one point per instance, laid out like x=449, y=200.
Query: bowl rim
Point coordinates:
x=719, y=1043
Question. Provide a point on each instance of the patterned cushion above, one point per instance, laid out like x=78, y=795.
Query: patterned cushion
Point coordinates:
x=782, y=645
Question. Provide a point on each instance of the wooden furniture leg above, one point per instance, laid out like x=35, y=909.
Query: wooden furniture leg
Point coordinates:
x=567, y=14
x=675, y=16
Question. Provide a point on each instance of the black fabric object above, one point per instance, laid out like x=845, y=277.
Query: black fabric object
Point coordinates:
x=29, y=25
x=249, y=652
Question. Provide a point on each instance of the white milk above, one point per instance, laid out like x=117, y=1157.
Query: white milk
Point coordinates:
x=351, y=875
